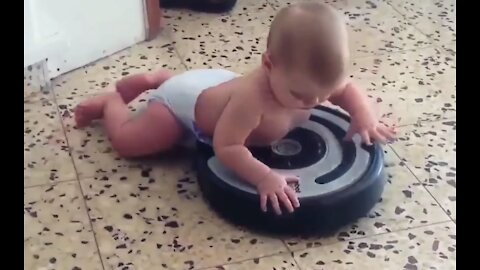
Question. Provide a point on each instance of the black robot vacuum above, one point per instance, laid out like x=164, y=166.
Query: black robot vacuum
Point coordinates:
x=339, y=181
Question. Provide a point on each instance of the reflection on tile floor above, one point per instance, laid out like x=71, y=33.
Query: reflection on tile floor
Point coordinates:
x=428, y=247
x=86, y=208
x=434, y=18
x=46, y=153
x=57, y=232
x=159, y=215
x=432, y=157
x=415, y=85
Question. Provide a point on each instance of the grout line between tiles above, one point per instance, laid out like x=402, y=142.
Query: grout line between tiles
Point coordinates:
x=54, y=99
x=397, y=52
x=377, y=234
x=249, y=259
x=78, y=181
x=50, y=184
x=421, y=183
x=289, y=251
x=411, y=22
x=433, y=44
x=171, y=36
x=296, y=262
x=433, y=41
x=401, y=13
x=428, y=122
x=291, y=254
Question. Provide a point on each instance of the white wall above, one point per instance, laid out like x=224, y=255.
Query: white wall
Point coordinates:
x=73, y=33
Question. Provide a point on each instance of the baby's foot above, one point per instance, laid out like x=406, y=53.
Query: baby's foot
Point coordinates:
x=90, y=109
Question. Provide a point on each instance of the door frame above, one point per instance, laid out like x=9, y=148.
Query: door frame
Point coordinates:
x=153, y=19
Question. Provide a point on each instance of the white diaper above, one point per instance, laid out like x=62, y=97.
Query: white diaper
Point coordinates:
x=180, y=94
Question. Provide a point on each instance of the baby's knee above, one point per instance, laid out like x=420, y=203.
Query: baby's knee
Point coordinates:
x=156, y=78
x=122, y=146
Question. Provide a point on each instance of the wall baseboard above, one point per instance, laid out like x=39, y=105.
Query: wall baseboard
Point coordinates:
x=36, y=82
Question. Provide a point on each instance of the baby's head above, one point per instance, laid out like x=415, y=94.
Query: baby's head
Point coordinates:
x=307, y=54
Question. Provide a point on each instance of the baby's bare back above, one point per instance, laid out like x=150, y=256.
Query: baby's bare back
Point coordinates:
x=249, y=95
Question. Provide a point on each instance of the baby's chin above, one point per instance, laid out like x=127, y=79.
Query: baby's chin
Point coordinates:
x=308, y=107
x=296, y=106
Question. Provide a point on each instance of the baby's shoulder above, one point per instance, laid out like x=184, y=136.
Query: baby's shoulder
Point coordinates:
x=244, y=100
x=249, y=91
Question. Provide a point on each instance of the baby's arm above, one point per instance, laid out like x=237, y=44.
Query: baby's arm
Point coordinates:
x=240, y=117
x=351, y=99
x=364, y=119
x=236, y=123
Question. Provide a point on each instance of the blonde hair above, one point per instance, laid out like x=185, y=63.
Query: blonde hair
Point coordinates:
x=311, y=36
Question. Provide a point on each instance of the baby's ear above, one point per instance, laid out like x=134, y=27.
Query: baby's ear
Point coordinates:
x=266, y=61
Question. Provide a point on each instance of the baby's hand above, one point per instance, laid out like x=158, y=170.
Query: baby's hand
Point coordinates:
x=370, y=129
x=274, y=188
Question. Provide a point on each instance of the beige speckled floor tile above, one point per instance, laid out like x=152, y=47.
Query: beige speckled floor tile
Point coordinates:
x=451, y=48
x=35, y=87
x=435, y=18
x=374, y=27
x=283, y=261
x=404, y=204
x=142, y=57
x=429, y=150
x=414, y=86
x=157, y=218
x=233, y=41
x=57, y=233
x=91, y=150
x=429, y=247
x=46, y=155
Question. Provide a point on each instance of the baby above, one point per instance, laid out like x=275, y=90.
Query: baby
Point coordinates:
x=304, y=65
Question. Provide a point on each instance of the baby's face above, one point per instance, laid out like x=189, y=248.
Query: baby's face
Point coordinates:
x=297, y=90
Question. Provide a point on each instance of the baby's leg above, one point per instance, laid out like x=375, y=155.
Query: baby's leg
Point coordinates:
x=129, y=88
x=132, y=86
x=153, y=131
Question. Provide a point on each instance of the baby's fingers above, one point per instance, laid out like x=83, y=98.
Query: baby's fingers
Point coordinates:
x=366, y=137
x=350, y=133
x=377, y=136
x=286, y=201
x=274, y=201
x=292, y=196
x=263, y=202
x=387, y=132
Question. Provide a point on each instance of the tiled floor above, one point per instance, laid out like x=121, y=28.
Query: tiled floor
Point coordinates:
x=85, y=208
